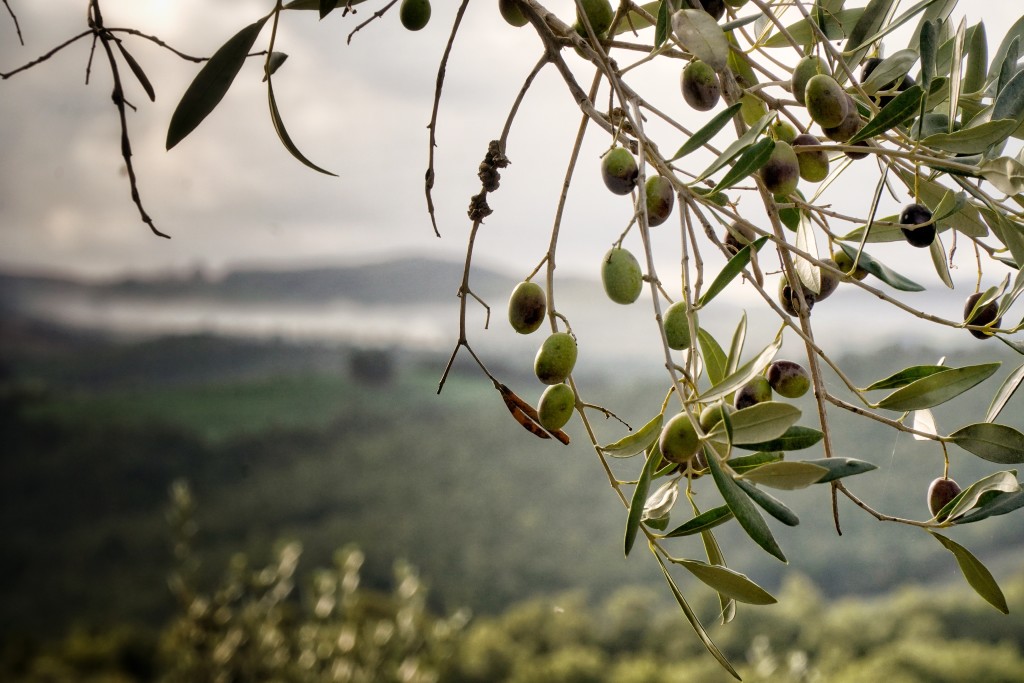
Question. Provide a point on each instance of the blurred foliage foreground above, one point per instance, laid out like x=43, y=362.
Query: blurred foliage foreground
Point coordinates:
x=270, y=624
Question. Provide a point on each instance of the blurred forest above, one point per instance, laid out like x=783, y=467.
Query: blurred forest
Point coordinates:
x=310, y=449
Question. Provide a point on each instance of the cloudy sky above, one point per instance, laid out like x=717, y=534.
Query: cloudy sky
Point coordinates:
x=231, y=194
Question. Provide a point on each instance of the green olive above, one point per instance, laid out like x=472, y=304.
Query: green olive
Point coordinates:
x=555, y=358
x=556, y=406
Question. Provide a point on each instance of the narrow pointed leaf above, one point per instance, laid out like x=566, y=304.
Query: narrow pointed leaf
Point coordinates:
x=906, y=376
x=282, y=133
x=1008, y=67
x=660, y=503
x=970, y=497
x=737, y=148
x=977, y=575
x=1005, y=173
x=696, y=625
x=736, y=348
x=938, y=388
x=1005, y=392
x=808, y=273
x=702, y=522
x=744, y=463
x=895, y=23
x=733, y=268
x=1015, y=33
x=924, y=421
x=136, y=68
x=701, y=35
x=869, y=23
x=977, y=61
x=663, y=28
x=743, y=508
x=714, y=357
x=729, y=582
x=973, y=140
x=211, y=83
x=894, y=113
x=938, y=255
x=638, y=441
x=788, y=476
x=892, y=68
x=758, y=423
x=999, y=504
x=882, y=272
x=708, y=131
x=796, y=438
x=839, y=468
x=753, y=158
x=769, y=503
x=636, y=21
x=744, y=374
x=836, y=26
x=928, y=43
x=1009, y=103
x=990, y=441
x=715, y=556
x=1009, y=232
x=636, y=504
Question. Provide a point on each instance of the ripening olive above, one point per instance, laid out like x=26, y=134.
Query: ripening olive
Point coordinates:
x=555, y=358
x=414, y=14
x=940, y=493
x=848, y=127
x=600, y=14
x=809, y=66
x=757, y=390
x=920, y=230
x=679, y=441
x=556, y=406
x=526, y=307
x=700, y=85
x=512, y=12
x=781, y=172
x=677, y=326
x=619, y=170
x=906, y=82
x=712, y=415
x=826, y=101
x=716, y=8
x=788, y=379
x=813, y=164
x=829, y=280
x=620, y=272
x=790, y=301
x=845, y=263
x=784, y=130
x=985, y=315
x=737, y=236
x=661, y=197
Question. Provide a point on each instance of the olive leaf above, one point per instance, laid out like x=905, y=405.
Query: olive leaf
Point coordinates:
x=892, y=68
x=702, y=522
x=638, y=441
x=881, y=271
x=736, y=347
x=695, y=623
x=795, y=438
x=769, y=503
x=715, y=360
x=937, y=388
x=757, y=423
x=752, y=158
x=787, y=476
x=639, y=499
x=839, y=468
x=660, y=503
x=1005, y=391
x=742, y=507
x=973, y=139
x=876, y=12
x=906, y=376
x=744, y=463
x=701, y=35
x=891, y=115
x=731, y=269
x=995, y=504
x=924, y=421
x=836, y=26
x=136, y=68
x=744, y=374
x=282, y=133
x=977, y=575
x=729, y=582
x=738, y=147
x=990, y=441
x=715, y=556
x=211, y=83
x=970, y=497
x=708, y=131
x=977, y=61
x=1005, y=173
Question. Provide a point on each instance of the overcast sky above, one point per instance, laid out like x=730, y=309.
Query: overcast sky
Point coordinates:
x=231, y=194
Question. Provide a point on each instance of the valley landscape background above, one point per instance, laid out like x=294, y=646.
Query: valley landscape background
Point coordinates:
x=300, y=405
